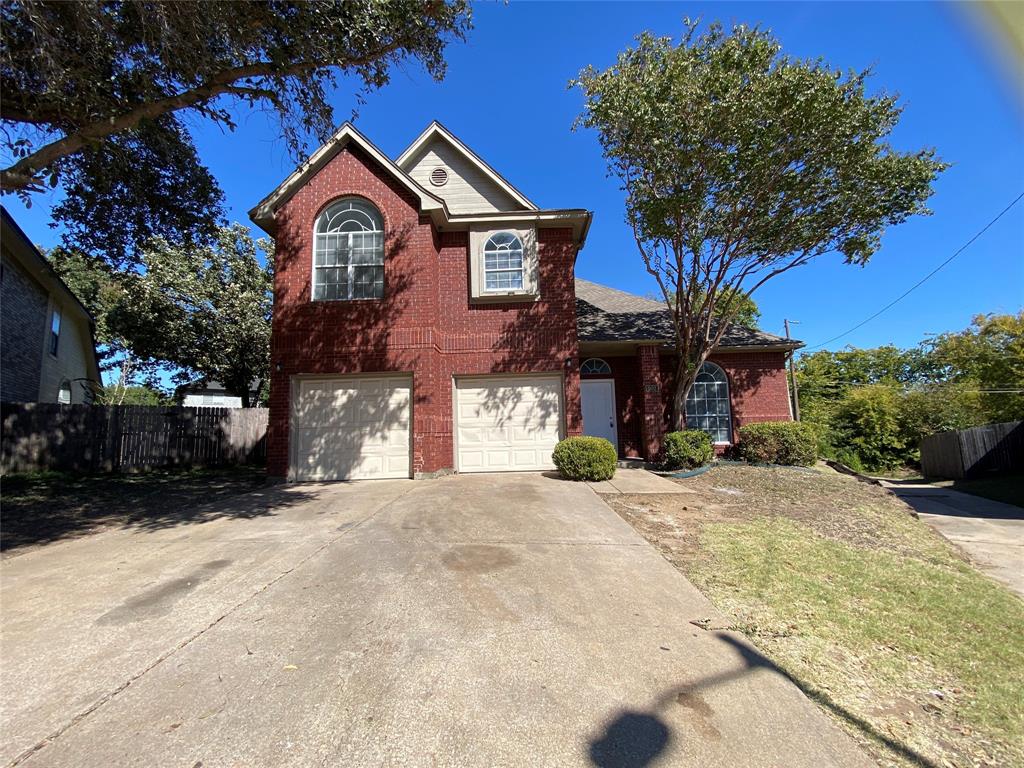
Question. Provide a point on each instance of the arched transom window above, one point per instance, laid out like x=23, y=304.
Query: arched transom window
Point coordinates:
x=348, y=252
x=595, y=365
x=503, y=262
x=707, y=405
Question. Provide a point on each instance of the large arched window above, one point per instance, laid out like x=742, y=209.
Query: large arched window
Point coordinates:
x=707, y=405
x=503, y=262
x=348, y=252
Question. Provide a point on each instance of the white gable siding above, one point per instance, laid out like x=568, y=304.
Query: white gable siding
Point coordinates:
x=468, y=190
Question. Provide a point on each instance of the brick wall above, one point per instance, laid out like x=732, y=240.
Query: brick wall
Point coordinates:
x=23, y=316
x=757, y=386
x=424, y=325
x=757, y=392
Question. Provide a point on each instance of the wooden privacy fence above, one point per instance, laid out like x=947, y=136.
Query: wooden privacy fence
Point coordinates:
x=969, y=453
x=111, y=438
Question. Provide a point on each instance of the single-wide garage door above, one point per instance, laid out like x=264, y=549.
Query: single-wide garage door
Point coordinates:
x=508, y=424
x=350, y=428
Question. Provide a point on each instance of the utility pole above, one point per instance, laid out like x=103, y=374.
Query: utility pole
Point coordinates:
x=792, y=374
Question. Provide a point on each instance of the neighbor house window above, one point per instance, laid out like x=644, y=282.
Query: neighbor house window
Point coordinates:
x=64, y=393
x=54, y=331
x=595, y=365
x=707, y=405
x=503, y=262
x=348, y=252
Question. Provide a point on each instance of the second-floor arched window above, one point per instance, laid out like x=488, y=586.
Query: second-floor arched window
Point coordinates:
x=348, y=252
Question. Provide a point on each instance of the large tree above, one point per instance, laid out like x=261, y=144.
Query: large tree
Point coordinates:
x=188, y=311
x=98, y=95
x=739, y=164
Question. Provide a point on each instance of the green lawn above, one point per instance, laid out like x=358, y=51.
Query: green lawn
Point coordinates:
x=877, y=618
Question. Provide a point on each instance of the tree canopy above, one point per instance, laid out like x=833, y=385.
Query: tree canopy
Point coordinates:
x=95, y=96
x=740, y=163
x=188, y=311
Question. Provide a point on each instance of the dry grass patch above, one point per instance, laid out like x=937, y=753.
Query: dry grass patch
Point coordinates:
x=875, y=616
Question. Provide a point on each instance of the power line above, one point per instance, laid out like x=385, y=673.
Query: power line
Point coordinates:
x=924, y=279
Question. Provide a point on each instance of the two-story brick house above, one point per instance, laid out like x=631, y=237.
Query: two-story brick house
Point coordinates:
x=427, y=318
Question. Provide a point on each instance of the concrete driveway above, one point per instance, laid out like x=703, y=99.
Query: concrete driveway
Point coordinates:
x=478, y=620
x=990, y=532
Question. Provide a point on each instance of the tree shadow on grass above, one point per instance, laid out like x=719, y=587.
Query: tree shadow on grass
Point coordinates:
x=49, y=507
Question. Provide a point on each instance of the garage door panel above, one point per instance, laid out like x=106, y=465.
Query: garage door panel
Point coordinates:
x=351, y=428
x=508, y=424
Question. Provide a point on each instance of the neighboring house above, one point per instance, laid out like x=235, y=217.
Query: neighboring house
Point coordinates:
x=208, y=393
x=47, y=351
x=427, y=319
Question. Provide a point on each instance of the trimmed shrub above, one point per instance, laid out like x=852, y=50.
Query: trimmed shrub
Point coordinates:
x=585, y=458
x=779, y=442
x=688, y=449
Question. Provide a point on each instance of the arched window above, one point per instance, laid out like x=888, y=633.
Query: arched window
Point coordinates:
x=595, y=365
x=503, y=262
x=348, y=252
x=64, y=393
x=707, y=405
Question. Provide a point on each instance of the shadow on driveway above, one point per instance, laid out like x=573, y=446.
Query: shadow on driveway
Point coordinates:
x=51, y=507
x=634, y=739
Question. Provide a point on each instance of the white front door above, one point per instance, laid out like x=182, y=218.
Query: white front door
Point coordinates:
x=598, y=397
x=507, y=424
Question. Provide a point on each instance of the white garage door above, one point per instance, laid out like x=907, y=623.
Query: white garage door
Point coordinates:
x=350, y=428
x=509, y=424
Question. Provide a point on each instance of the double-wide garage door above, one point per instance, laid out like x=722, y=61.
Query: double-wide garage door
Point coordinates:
x=350, y=428
x=357, y=427
x=508, y=424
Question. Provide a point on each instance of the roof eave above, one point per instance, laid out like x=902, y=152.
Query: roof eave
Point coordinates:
x=262, y=214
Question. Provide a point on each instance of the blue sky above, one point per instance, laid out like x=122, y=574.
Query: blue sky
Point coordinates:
x=505, y=96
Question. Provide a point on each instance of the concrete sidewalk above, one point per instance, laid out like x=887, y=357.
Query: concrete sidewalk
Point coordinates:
x=636, y=480
x=990, y=532
x=474, y=620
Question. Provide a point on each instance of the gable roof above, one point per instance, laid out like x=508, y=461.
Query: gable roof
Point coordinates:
x=608, y=314
x=263, y=212
x=436, y=130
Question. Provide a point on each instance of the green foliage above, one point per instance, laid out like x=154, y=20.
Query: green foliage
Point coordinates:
x=686, y=449
x=989, y=355
x=869, y=422
x=585, y=458
x=740, y=163
x=779, y=442
x=100, y=96
x=132, y=395
x=872, y=407
x=197, y=311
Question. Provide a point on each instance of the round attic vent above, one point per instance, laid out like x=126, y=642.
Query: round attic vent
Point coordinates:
x=439, y=177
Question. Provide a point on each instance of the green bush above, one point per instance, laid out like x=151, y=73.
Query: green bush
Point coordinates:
x=585, y=458
x=688, y=449
x=779, y=442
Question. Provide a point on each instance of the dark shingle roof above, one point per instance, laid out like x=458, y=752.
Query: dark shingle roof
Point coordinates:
x=608, y=314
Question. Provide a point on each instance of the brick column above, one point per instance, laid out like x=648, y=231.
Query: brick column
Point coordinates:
x=652, y=408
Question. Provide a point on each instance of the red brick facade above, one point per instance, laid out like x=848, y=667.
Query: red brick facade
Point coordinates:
x=427, y=327
x=424, y=325
x=758, y=391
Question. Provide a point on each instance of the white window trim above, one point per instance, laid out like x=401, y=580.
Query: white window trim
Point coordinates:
x=605, y=371
x=728, y=400
x=522, y=265
x=350, y=267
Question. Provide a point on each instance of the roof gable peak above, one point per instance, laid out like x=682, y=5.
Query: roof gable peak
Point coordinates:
x=436, y=130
